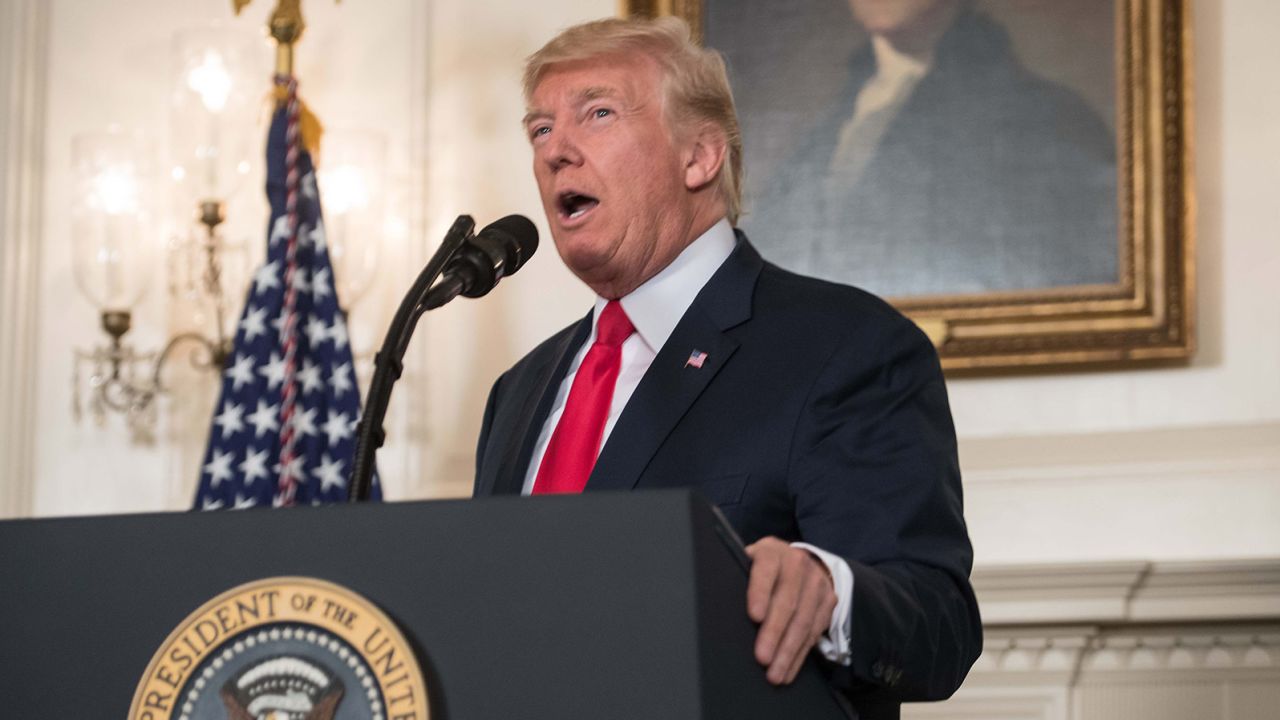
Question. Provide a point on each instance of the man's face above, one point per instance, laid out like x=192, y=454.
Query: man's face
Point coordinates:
x=610, y=173
x=890, y=17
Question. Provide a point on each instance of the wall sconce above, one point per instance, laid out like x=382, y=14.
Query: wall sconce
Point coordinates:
x=215, y=104
x=111, y=264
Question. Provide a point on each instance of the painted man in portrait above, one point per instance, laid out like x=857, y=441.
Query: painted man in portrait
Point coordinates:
x=940, y=164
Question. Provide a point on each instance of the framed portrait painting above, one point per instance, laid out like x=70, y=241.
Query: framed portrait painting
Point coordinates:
x=1014, y=176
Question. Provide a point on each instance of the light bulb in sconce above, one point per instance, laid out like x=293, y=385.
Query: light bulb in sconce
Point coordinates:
x=218, y=93
x=351, y=171
x=211, y=81
x=113, y=190
x=111, y=243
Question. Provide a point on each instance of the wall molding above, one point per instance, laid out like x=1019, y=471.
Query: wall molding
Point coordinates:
x=24, y=45
x=1056, y=593
x=1238, y=590
x=1221, y=650
x=1123, y=640
x=1040, y=673
x=1065, y=654
x=1222, y=452
x=1115, y=593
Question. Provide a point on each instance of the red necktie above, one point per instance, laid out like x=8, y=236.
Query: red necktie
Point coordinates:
x=571, y=453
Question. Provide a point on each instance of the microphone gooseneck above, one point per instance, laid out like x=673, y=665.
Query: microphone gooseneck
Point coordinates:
x=471, y=266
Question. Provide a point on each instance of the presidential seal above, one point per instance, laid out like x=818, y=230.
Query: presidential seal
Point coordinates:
x=287, y=648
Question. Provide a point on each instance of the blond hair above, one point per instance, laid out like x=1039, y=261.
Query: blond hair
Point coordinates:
x=695, y=83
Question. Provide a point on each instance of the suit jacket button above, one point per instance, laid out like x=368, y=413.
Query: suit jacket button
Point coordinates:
x=877, y=670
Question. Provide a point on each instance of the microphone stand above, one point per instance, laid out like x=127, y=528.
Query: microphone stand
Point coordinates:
x=388, y=364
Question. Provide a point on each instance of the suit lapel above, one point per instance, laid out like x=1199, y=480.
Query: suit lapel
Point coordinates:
x=672, y=384
x=523, y=434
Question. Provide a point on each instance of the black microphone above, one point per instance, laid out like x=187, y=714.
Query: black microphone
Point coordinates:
x=499, y=250
x=471, y=266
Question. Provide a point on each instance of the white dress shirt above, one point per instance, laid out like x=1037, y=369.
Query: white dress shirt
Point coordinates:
x=654, y=309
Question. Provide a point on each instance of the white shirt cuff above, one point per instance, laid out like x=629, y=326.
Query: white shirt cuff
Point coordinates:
x=834, y=645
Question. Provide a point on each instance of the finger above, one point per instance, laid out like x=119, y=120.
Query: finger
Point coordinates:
x=765, y=567
x=798, y=637
x=782, y=608
x=821, y=625
x=821, y=621
x=764, y=544
x=790, y=597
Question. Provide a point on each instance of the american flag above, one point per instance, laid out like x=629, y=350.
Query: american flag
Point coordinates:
x=696, y=358
x=242, y=465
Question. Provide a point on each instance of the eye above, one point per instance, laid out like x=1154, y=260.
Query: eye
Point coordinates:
x=539, y=131
x=601, y=113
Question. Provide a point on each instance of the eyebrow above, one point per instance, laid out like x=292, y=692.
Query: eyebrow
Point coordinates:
x=584, y=96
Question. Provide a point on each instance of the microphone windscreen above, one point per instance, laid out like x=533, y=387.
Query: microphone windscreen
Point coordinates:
x=519, y=236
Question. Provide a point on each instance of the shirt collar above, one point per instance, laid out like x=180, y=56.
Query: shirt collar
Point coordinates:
x=655, y=307
x=895, y=65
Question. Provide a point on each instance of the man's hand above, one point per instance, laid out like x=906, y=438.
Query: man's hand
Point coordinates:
x=792, y=596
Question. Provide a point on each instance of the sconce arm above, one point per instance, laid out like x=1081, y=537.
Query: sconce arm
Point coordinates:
x=214, y=356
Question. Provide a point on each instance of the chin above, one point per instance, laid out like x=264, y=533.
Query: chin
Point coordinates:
x=585, y=258
x=886, y=18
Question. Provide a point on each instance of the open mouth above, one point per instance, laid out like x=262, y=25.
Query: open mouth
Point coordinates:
x=574, y=205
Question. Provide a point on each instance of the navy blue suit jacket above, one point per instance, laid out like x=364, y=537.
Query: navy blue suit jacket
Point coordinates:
x=819, y=415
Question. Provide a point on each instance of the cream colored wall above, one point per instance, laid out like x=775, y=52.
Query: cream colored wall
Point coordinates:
x=1163, y=464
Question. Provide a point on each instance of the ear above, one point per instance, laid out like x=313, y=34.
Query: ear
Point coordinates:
x=704, y=156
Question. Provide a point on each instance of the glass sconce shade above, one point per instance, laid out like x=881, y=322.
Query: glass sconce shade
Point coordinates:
x=353, y=186
x=110, y=223
x=219, y=91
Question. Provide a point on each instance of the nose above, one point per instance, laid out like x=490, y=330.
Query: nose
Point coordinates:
x=561, y=151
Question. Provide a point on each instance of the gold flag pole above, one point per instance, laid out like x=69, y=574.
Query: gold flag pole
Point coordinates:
x=285, y=26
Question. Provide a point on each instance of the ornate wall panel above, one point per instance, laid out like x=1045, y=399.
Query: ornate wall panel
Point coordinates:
x=1131, y=641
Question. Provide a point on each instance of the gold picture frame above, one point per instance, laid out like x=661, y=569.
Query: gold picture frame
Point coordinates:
x=1147, y=316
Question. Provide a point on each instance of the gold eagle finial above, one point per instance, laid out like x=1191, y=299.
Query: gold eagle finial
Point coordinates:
x=286, y=26
x=286, y=23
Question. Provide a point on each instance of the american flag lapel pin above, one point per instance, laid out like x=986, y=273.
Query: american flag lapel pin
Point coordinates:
x=696, y=358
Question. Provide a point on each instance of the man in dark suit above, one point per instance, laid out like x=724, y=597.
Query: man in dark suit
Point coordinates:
x=813, y=414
